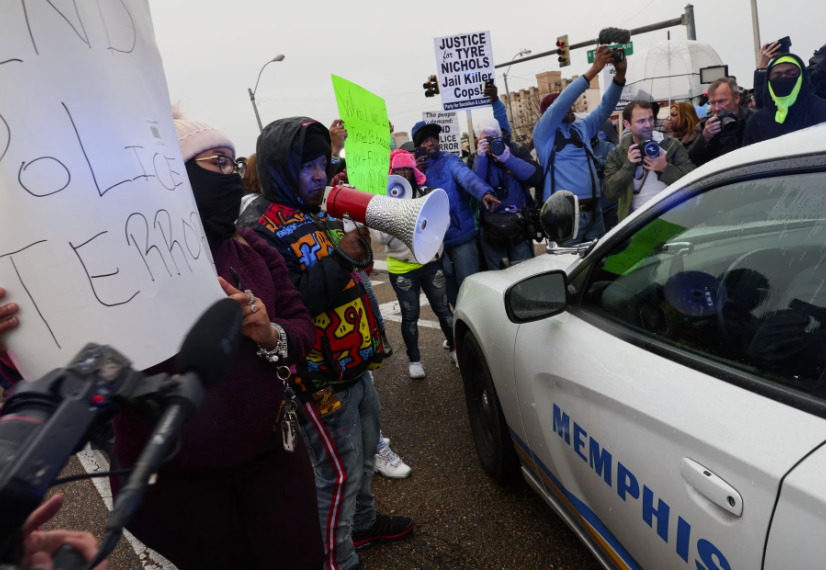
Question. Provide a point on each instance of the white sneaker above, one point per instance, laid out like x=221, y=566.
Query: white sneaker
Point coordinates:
x=391, y=465
x=417, y=371
x=386, y=440
x=445, y=345
x=452, y=356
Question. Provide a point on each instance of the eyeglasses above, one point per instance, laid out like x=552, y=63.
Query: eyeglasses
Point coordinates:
x=224, y=164
x=403, y=171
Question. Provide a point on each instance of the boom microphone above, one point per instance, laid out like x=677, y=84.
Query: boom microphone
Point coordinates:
x=207, y=353
x=210, y=347
x=609, y=36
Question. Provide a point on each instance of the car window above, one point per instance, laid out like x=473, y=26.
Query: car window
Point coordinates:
x=737, y=274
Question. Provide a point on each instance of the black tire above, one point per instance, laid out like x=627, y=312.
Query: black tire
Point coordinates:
x=487, y=422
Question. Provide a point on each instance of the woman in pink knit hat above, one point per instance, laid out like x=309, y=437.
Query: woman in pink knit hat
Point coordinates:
x=409, y=278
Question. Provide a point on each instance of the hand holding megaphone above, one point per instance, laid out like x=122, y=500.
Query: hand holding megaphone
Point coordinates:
x=420, y=224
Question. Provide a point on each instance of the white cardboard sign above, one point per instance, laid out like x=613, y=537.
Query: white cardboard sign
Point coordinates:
x=464, y=62
x=100, y=238
x=450, y=137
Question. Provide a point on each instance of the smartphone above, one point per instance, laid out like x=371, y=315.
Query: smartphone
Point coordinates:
x=489, y=83
x=421, y=152
x=785, y=44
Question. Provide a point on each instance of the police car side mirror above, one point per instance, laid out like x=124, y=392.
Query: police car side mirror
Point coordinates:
x=537, y=297
x=559, y=217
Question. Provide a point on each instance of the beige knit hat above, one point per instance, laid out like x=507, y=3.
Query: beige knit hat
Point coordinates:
x=195, y=137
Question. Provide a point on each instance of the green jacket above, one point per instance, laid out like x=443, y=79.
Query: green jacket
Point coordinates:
x=619, y=172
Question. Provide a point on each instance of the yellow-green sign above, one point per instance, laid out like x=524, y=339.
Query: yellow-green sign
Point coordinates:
x=367, y=150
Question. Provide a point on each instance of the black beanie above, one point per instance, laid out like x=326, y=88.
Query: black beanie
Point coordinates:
x=316, y=143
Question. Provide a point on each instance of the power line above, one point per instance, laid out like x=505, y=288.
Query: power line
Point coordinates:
x=638, y=13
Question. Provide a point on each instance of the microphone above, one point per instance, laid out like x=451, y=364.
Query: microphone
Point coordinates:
x=211, y=345
x=207, y=353
x=608, y=36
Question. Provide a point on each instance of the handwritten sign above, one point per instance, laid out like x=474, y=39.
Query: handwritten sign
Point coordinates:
x=464, y=63
x=100, y=238
x=449, y=137
x=368, y=136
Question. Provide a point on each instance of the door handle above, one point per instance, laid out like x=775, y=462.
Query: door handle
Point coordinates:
x=712, y=487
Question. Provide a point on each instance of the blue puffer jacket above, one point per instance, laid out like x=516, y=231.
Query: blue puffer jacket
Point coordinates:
x=448, y=172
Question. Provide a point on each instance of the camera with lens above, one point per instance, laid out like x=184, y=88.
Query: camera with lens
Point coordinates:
x=649, y=148
x=533, y=223
x=496, y=145
x=728, y=123
x=618, y=54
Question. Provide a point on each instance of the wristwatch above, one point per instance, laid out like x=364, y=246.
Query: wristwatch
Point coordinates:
x=279, y=351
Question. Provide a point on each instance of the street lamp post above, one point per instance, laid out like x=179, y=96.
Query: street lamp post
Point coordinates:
x=522, y=53
x=279, y=57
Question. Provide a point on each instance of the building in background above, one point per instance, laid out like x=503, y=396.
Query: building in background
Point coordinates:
x=400, y=139
x=525, y=102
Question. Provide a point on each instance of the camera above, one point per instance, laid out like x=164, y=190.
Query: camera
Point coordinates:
x=496, y=145
x=650, y=148
x=728, y=124
x=618, y=54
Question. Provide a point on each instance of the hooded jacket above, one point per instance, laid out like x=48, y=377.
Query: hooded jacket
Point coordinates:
x=448, y=172
x=806, y=111
x=347, y=337
x=619, y=171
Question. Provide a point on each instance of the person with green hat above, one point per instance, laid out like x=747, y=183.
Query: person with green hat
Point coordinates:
x=789, y=103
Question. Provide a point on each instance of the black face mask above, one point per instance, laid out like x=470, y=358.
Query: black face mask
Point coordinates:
x=783, y=86
x=218, y=197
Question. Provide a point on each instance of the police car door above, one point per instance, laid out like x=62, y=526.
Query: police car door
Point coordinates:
x=664, y=407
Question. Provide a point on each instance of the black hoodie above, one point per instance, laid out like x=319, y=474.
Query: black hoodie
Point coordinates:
x=348, y=338
x=807, y=110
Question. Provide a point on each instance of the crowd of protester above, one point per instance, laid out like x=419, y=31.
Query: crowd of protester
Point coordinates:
x=296, y=273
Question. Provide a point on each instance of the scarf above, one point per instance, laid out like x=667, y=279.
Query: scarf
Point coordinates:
x=784, y=102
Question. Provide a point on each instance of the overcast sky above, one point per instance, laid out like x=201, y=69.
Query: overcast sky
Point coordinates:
x=213, y=49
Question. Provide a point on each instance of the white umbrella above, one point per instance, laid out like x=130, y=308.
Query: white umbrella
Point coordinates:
x=669, y=70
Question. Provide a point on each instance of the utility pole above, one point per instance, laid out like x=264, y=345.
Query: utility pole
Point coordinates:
x=690, y=23
x=755, y=28
x=279, y=57
x=255, y=108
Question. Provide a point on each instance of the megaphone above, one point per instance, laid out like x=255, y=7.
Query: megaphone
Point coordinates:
x=420, y=224
x=399, y=187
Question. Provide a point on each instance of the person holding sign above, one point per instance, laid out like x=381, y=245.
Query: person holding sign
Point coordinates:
x=232, y=496
x=564, y=147
x=333, y=383
x=448, y=172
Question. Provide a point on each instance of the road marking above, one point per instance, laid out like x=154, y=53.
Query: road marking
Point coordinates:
x=94, y=461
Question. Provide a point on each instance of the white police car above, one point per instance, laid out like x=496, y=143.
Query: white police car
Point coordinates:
x=664, y=390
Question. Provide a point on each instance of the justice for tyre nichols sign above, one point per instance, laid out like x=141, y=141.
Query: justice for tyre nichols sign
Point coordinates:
x=464, y=62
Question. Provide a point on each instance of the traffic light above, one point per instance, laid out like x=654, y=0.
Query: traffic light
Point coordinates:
x=431, y=88
x=564, y=51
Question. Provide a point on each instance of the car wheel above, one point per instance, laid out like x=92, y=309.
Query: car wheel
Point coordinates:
x=487, y=422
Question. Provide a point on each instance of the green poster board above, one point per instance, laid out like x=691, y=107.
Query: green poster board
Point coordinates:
x=643, y=245
x=367, y=150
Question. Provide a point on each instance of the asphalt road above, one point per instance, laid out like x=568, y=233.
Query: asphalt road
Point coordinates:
x=463, y=520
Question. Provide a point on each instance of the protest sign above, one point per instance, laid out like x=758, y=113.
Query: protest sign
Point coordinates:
x=449, y=139
x=100, y=238
x=629, y=92
x=464, y=62
x=368, y=136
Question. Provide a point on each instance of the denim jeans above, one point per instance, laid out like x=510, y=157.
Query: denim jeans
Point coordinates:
x=514, y=251
x=591, y=227
x=458, y=263
x=429, y=278
x=368, y=287
x=336, y=443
